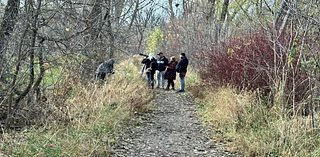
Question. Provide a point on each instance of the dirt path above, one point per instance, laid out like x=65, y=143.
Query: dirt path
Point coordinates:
x=173, y=129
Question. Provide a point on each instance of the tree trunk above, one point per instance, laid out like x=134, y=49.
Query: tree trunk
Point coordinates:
x=171, y=10
x=107, y=18
x=280, y=12
x=7, y=26
x=119, y=4
x=32, y=56
x=95, y=19
x=34, y=29
x=224, y=10
x=134, y=14
x=211, y=9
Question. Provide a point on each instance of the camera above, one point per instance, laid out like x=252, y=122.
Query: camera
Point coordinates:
x=141, y=54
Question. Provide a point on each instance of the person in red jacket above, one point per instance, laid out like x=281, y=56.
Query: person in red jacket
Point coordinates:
x=170, y=74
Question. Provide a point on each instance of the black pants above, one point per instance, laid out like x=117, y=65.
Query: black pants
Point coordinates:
x=170, y=82
x=101, y=75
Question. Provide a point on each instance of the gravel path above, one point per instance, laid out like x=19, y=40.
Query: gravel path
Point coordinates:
x=173, y=129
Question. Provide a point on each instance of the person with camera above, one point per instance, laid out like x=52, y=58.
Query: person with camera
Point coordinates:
x=151, y=67
x=146, y=61
x=105, y=68
x=162, y=64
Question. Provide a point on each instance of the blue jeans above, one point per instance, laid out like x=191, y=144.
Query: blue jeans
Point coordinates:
x=160, y=74
x=101, y=75
x=148, y=75
x=182, y=81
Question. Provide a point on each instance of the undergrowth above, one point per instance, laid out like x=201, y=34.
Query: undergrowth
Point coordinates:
x=242, y=120
x=85, y=122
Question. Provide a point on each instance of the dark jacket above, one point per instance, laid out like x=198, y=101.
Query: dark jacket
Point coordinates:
x=162, y=63
x=147, y=62
x=105, y=67
x=153, y=65
x=182, y=65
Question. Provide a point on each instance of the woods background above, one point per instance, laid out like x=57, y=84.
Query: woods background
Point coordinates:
x=49, y=46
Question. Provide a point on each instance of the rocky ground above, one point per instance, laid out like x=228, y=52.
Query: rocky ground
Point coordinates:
x=172, y=129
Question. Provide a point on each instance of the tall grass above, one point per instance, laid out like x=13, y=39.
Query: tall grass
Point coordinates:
x=242, y=120
x=86, y=122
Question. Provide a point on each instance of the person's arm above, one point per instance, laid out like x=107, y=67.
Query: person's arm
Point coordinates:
x=178, y=67
x=144, y=61
x=166, y=62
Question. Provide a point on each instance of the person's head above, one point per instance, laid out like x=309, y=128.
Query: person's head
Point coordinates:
x=111, y=61
x=160, y=54
x=182, y=55
x=151, y=55
x=172, y=59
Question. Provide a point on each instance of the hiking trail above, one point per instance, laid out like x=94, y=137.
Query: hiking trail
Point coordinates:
x=172, y=129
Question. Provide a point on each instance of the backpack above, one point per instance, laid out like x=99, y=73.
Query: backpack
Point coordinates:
x=154, y=65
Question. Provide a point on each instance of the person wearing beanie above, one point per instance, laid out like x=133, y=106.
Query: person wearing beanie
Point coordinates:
x=163, y=62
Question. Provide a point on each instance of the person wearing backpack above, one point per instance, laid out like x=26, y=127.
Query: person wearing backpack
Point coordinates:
x=163, y=62
x=152, y=69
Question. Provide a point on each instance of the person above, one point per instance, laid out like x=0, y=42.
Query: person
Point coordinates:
x=105, y=68
x=146, y=61
x=152, y=69
x=182, y=70
x=162, y=63
x=170, y=74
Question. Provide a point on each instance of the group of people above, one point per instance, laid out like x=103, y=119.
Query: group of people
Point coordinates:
x=162, y=67
x=166, y=70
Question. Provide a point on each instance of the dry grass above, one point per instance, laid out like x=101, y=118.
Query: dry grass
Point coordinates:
x=86, y=123
x=243, y=121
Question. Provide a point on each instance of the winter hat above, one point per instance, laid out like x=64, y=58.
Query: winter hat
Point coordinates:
x=151, y=55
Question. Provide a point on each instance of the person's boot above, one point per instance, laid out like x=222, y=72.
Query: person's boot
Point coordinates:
x=167, y=88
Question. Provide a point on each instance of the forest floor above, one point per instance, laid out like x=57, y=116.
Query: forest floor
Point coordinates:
x=173, y=128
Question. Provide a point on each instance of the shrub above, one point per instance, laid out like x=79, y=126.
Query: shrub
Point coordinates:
x=253, y=62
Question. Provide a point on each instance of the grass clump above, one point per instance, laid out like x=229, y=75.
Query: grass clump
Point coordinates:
x=85, y=123
x=245, y=122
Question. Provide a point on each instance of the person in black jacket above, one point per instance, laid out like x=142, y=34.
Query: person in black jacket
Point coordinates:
x=163, y=62
x=105, y=68
x=182, y=70
x=152, y=69
x=146, y=61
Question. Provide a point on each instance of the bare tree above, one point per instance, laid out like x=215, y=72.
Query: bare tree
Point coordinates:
x=6, y=28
